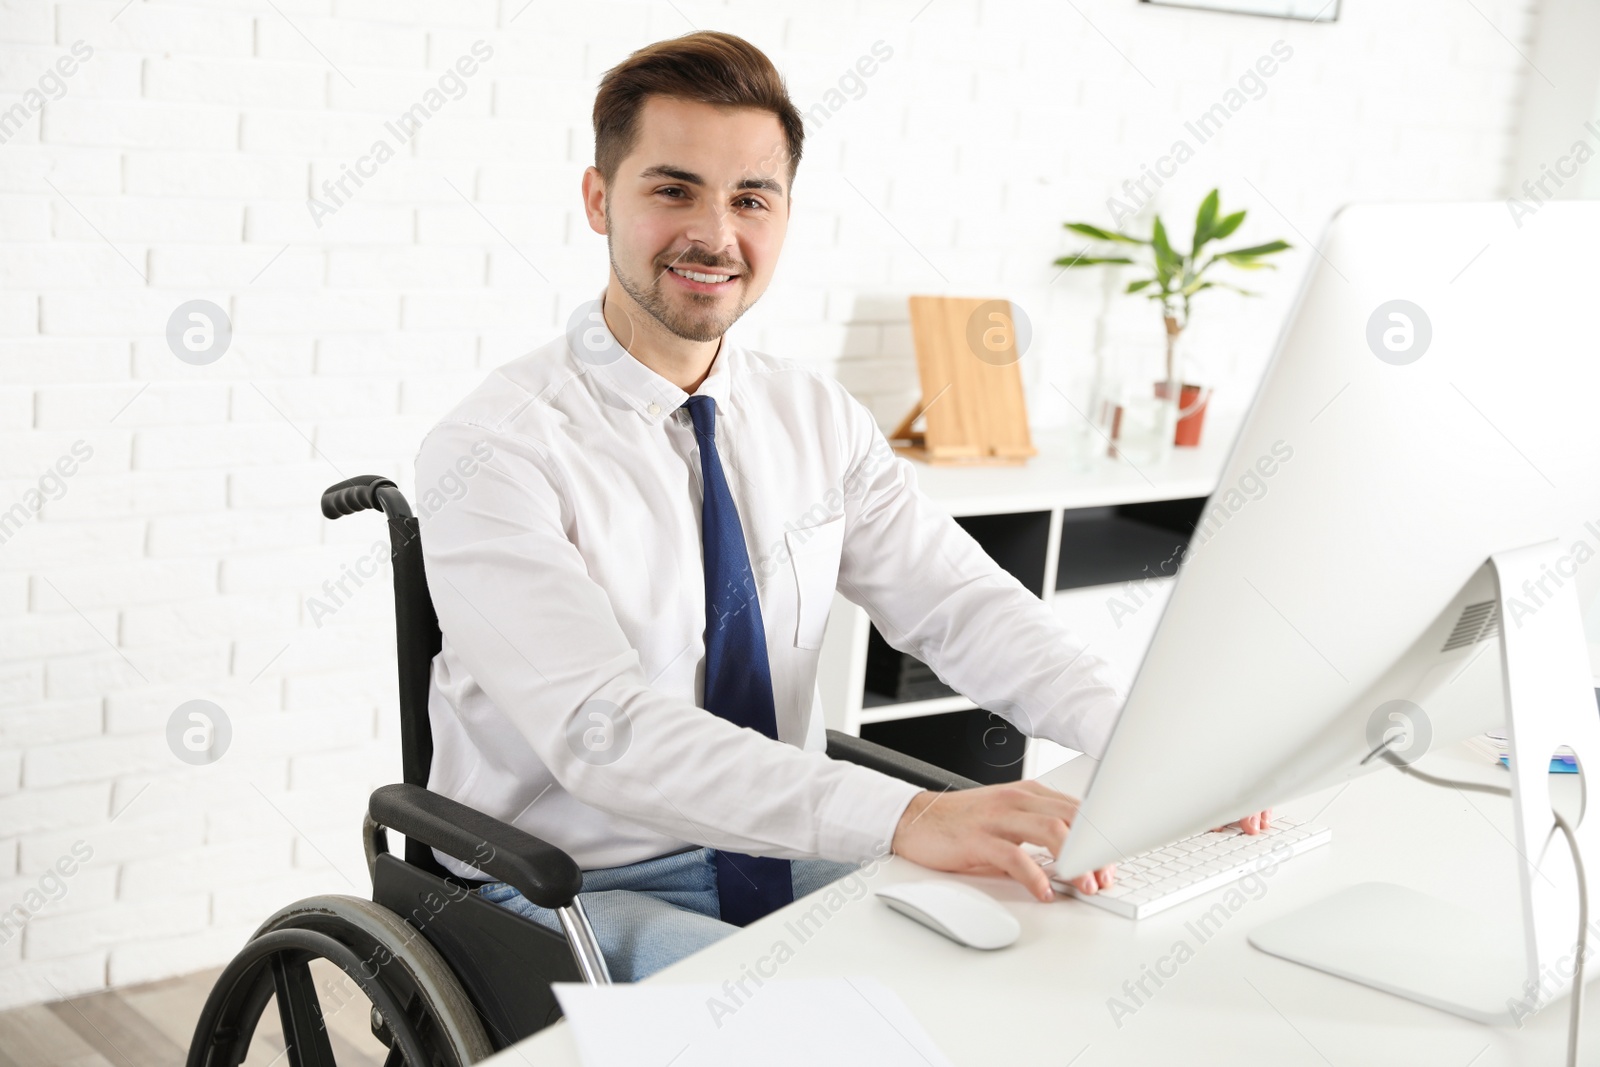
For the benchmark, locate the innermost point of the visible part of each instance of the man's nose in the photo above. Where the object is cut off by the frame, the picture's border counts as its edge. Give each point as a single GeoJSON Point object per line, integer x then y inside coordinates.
{"type": "Point", "coordinates": [712, 229]}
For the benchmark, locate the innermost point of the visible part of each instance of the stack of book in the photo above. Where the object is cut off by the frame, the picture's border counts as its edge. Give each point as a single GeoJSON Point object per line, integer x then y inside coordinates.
{"type": "Point", "coordinates": [1496, 748]}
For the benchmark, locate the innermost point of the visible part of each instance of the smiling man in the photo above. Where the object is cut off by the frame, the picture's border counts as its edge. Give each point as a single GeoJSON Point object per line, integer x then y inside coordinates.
{"type": "Point", "coordinates": [633, 591]}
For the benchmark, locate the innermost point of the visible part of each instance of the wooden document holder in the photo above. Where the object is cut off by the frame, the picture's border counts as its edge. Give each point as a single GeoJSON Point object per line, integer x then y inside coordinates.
{"type": "Point", "coordinates": [972, 400]}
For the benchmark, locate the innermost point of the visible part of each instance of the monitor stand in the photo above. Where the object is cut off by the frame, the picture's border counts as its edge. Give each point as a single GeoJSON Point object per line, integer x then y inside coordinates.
{"type": "Point", "coordinates": [1437, 952]}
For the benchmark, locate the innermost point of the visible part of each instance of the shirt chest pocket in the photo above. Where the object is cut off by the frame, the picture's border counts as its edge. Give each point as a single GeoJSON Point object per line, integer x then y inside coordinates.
{"type": "Point", "coordinates": [814, 556]}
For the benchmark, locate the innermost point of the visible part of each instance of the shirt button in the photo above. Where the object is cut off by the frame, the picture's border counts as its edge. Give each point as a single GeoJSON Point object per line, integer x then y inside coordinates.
{"type": "Point", "coordinates": [654, 409]}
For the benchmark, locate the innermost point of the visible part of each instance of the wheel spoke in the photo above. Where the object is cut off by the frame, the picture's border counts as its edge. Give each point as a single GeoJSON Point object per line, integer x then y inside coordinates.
{"type": "Point", "coordinates": [300, 1012]}
{"type": "Point", "coordinates": [418, 1007]}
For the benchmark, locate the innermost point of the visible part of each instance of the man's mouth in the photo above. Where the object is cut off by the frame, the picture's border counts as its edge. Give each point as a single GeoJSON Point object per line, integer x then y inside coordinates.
{"type": "Point", "coordinates": [706, 281]}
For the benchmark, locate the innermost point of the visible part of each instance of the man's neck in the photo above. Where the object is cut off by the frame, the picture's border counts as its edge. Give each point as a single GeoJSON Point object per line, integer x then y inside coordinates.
{"type": "Point", "coordinates": [680, 361]}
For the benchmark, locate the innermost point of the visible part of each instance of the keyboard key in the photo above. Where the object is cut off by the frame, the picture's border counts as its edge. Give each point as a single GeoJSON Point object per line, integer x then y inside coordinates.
{"type": "Point", "coordinates": [1183, 870]}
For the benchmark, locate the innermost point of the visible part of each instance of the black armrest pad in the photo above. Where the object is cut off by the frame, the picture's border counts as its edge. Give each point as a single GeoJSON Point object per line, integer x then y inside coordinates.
{"type": "Point", "coordinates": [537, 869]}
{"type": "Point", "coordinates": [898, 764]}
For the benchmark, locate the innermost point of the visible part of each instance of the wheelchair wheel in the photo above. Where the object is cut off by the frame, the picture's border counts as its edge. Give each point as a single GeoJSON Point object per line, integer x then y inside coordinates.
{"type": "Point", "coordinates": [418, 1008]}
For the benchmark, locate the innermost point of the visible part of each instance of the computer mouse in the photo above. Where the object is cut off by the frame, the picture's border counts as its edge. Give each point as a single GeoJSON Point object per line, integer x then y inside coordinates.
{"type": "Point", "coordinates": [965, 915]}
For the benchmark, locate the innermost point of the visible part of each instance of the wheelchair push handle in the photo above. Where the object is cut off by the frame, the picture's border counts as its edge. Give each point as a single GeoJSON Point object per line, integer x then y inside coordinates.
{"type": "Point", "coordinates": [366, 491]}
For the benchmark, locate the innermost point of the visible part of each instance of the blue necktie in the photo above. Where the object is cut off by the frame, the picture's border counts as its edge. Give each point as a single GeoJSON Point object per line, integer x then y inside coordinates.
{"type": "Point", "coordinates": [738, 678]}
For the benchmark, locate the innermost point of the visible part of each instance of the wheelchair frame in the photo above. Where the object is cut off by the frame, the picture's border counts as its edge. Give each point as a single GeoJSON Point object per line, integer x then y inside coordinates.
{"type": "Point", "coordinates": [478, 977]}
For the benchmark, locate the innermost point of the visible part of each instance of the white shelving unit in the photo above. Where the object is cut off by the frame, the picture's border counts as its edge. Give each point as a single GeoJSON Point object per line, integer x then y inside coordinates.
{"type": "Point", "coordinates": [1099, 501]}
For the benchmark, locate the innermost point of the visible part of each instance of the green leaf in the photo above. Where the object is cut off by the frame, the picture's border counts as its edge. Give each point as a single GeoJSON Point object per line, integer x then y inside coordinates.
{"type": "Point", "coordinates": [1248, 263]}
{"type": "Point", "coordinates": [1254, 250]}
{"type": "Point", "coordinates": [1168, 262]}
{"type": "Point", "coordinates": [1227, 225]}
{"type": "Point", "coordinates": [1089, 261]}
{"type": "Point", "coordinates": [1158, 240]}
{"type": "Point", "coordinates": [1134, 287]}
{"type": "Point", "coordinates": [1204, 221]}
{"type": "Point", "coordinates": [1102, 235]}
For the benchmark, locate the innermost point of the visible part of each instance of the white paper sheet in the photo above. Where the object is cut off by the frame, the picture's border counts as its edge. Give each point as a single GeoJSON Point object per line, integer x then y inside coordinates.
{"type": "Point", "coordinates": [803, 1023]}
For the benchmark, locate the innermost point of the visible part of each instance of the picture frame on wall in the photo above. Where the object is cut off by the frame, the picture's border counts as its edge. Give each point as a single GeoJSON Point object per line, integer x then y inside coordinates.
{"type": "Point", "coordinates": [1305, 10]}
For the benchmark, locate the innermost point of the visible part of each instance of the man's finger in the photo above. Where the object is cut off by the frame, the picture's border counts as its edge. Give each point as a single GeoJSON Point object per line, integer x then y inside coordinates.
{"type": "Point", "coordinates": [1026, 828]}
{"type": "Point", "coordinates": [1019, 865]}
{"type": "Point", "coordinates": [1033, 785]}
{"type": "Point", "coordinates": [1045, 801]}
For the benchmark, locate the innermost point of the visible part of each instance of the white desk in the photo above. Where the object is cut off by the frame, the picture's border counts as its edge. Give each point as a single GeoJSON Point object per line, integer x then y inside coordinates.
{"type": "Point", "coordinates": [1066, 475]}
{"type": "Point", "coordinates": [1044, 999]}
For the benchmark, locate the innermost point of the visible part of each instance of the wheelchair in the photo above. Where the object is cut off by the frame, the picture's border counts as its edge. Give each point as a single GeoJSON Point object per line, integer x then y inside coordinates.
{"type": "Point", "coordinates": [452, 978]}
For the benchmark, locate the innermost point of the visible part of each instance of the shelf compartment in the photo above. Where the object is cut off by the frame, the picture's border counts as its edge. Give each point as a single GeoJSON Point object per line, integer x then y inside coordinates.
{"type": "Point", "coordinates": [898, 677]}
{"type": "Point", "coordinates": [976, 743]}
{"type": "Point", "coordinates": [1107, 546]}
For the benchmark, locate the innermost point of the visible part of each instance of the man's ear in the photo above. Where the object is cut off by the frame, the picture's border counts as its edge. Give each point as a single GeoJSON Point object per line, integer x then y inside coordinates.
{"type": "Point", "coordinates": [594, 199]}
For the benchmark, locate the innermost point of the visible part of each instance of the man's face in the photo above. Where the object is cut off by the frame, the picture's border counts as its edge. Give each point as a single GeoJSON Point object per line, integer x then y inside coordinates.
{"type": "Point", "coordinates": [705, 191]}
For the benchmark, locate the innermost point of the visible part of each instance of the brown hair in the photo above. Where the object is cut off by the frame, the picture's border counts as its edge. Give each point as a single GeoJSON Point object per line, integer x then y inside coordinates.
{"type": "Point", "coordinates": [706, 66]}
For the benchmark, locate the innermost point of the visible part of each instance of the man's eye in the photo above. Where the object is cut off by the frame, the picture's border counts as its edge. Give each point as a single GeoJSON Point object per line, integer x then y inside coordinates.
{"type": "Point", "coordinates": [750, 201]}
{"type": "Point", "coordinates": [672, 189]}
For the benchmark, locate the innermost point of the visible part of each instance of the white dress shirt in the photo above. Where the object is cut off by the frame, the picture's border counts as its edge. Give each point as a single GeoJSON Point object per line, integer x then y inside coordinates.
{"type": "Point", "coordinates": [560, 516]}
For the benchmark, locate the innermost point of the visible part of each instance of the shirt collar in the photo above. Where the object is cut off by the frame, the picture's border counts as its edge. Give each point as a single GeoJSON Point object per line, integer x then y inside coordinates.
{"type": "Point", "coordinates": [635, 384]}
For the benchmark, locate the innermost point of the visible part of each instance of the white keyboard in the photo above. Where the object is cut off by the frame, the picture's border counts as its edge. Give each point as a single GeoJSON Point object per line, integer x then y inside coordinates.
{"type": "Point", "coordinates": [1154, 881]}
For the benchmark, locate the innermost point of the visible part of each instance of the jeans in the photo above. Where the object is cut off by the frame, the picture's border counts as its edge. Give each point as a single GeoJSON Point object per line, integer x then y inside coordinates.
{"type": "Point", "coordinates": [653, 913]}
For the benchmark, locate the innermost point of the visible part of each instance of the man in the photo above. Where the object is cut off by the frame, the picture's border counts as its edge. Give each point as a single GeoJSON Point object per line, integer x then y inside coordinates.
{"type": "Point", "coordinates": [633, 586]}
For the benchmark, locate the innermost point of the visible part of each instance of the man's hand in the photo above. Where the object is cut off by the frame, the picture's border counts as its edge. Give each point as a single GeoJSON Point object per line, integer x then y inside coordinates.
{"type": "Point", "coordinates": [982, 831]}
{"type": "Point", "coordinates": [1250, 824]}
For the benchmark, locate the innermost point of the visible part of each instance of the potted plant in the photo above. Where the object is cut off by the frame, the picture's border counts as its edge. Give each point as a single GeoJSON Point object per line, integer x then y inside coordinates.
{"type": "Point", "coordinates": [1175, 279]}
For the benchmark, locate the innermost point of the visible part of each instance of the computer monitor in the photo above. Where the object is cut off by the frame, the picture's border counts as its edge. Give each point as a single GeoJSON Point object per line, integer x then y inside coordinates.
{"type": "Point", "coordinates": [1401, 544]}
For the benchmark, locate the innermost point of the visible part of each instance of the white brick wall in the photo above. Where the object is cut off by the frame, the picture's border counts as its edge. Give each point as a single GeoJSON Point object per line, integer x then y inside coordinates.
{"type": "Point", "coordinates": [174, 563]}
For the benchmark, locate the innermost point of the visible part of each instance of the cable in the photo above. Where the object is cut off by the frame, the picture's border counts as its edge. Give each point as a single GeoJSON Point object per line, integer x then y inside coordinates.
{"type": "Point", "coordinates": [1575, 1018]}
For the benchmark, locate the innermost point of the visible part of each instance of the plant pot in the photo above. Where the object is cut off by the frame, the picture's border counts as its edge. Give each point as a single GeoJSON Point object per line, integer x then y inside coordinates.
{"type": "Point", "coordinates": [1192, 401]}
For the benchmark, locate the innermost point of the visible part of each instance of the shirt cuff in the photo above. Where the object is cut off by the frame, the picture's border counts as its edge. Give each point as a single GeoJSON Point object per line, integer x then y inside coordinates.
{"type": "Point", "coordinates": [859, 817]}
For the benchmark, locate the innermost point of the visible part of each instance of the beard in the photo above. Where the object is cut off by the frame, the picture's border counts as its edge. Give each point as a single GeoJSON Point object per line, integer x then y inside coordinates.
{"type": "Point", "coordinates": [700, 321]}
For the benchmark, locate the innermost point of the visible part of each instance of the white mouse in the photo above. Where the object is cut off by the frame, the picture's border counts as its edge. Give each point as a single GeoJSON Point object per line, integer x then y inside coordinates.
{"type": "Point", "coordinates": [965, 915]}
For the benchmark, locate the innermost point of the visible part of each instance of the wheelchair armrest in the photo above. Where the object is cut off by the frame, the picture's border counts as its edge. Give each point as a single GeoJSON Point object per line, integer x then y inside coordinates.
{"type": "Point", "coordinates": [537, 869]}
{"type": "Point", "coordinates": [842, 746]}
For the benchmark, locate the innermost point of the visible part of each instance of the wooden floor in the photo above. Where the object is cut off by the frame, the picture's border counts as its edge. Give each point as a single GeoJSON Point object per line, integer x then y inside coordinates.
{"type": "Point", "coordinates": [151, 1026]}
